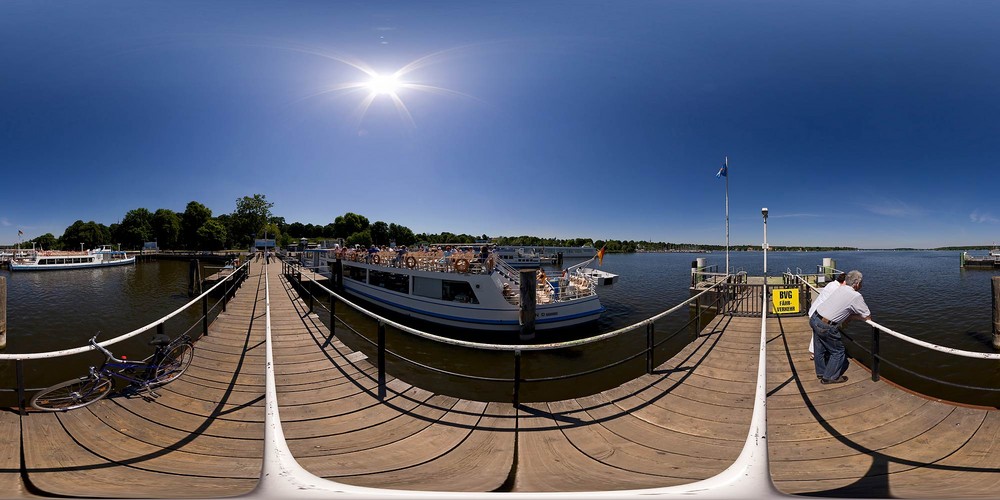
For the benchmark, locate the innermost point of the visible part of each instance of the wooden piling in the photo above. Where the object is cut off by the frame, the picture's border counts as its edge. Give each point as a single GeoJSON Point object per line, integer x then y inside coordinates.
{"type": "Point", "coordinates": [194, 278]}
{"type": "Point", "coordinates": [3, 312]}
{"type": "Point", "coordinates": [996, 312]}
{"type": "Point", "coordinates": [528, 298]}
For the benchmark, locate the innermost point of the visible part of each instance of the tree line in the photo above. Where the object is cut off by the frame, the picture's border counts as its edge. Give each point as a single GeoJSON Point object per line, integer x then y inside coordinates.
{"type": "Point", "coordinates": [193, 229]}
{"type": "Point", "coordinates": [197, 229]}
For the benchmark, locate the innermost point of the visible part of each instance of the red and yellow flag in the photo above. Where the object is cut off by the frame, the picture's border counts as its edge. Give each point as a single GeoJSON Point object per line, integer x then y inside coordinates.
{"type": "Point", "coordinates": [600, 256]}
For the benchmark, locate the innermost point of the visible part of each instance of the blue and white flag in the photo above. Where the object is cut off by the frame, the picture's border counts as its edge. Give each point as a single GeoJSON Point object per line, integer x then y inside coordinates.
{"type": "Point", "coordinates": [722, 172]}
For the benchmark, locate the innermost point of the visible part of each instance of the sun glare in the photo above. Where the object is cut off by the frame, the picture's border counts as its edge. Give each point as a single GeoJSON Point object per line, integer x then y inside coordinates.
{"type": "Point", "coordinates": [383, 84]}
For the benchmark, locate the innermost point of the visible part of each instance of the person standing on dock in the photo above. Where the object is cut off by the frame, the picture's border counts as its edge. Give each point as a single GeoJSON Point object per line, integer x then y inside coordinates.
{"type": "Point", "coordinates": [823, 295]}
{"type": "Point", "coordinates": [844, 304]}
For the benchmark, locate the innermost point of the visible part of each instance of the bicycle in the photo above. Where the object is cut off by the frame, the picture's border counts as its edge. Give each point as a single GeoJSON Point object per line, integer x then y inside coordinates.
{"type": "Point", "coordinates": [170, 360]}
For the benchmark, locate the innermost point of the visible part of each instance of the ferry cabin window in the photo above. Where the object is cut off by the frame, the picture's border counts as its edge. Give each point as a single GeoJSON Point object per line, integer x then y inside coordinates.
{"type": "Point", "coordinates": [390, 281]}
{"type": "Point", "coordinates": [355, 273]}
{"type": "Point", "coordinates": [458, 291]}
{"type": "Point", "coordinates": [452, 291]}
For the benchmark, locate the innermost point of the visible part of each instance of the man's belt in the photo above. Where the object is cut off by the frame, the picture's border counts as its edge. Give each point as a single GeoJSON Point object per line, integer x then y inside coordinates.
{"type": "Point", "coordinates": [831, 323]}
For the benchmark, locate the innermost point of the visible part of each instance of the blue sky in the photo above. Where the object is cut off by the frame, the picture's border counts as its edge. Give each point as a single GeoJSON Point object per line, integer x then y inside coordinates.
{"type": "Point", "coordinates": [869, 124]}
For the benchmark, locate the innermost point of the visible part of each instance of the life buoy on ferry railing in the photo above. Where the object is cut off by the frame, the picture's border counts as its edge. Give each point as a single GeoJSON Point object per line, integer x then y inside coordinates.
{"type": "Point", "coordinates": [462, 265]}
{"type": "Point", "coordinates": [411, 262]}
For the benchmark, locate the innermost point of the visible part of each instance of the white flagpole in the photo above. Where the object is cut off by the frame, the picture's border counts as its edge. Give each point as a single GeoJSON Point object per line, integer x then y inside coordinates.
{"type": "Point", "coordinates": [727, 215]}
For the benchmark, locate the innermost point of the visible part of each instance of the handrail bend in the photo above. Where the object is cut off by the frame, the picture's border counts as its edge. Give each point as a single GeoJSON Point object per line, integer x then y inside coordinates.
{"type": "Point", "coordinates": [748, 477]}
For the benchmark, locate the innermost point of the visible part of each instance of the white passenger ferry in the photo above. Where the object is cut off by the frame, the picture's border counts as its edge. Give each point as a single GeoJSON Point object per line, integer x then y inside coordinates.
{"type": "Point", "coordinates": [466, 290]}
{"type": "Point", "coordinates": [53, 259]}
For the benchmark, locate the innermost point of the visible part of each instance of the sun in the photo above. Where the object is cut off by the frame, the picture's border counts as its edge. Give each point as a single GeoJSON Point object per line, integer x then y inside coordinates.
{"type": "Point", "coordinates": [382, 84]}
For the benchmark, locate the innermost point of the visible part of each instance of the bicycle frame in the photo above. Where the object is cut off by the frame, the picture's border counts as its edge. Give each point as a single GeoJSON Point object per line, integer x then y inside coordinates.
{"type": "Point", "coordinates": [122, 369]}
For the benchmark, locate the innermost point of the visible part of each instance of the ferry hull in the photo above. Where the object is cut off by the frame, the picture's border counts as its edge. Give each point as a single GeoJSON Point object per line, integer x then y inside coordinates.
{"type": "Point", "coordinates": [547, 317]}
{"type": "Point", "coordinates": [58, 267]}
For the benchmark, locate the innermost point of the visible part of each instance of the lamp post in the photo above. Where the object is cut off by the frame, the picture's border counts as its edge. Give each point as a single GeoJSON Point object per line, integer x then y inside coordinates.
{"type": "Point", "coordinates": [763, 212]}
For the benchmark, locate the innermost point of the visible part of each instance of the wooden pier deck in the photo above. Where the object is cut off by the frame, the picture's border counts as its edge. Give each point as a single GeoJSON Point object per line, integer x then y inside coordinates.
{"type": "Point", "coordinates": [685, 422]}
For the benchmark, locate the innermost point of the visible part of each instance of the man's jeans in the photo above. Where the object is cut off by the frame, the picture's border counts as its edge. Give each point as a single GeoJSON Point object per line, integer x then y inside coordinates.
{"type": "Point", "coordinates": [830, 356]}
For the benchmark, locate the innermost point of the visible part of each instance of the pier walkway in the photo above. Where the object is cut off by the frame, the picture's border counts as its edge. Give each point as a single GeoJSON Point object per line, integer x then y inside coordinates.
{"type": "Point", "coordinates": [203, 437]}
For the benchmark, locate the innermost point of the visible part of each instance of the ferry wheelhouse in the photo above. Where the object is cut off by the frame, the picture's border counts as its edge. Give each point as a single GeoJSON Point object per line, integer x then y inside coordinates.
{"type": "Point", "coordinates": [54, 260]}
{"type": "Point", "coordinates": [466, 290]}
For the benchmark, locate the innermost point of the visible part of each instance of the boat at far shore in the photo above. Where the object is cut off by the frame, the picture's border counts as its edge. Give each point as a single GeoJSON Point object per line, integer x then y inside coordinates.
{"type": "Point", "coordinates": [51, 260]}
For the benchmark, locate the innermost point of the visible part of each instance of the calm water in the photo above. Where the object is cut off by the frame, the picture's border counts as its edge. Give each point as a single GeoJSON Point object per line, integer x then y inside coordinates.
{"type": "Point", "coordinates": [922, 294]}
{"type": "Point", "coordinates": [54, 310]}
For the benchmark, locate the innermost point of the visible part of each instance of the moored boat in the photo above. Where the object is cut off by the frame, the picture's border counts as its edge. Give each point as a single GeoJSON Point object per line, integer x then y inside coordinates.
{"type": "Point", "coordinates": [465, 289]}
{"type": "Point", "coordinates": [54, 260]}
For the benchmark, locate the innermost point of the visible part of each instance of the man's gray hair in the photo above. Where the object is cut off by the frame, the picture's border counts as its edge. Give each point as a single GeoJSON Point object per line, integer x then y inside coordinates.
{"type": "Point", "coordinates": [853, 278]}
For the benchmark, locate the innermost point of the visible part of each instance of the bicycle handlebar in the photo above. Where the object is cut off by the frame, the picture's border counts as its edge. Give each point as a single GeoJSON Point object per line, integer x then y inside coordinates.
{"type": "Point", "coordinates": [93, 342]}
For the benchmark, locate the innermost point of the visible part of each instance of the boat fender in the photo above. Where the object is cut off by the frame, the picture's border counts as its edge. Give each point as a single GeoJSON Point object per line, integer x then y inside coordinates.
{"type": "Point", "coordinates": [462, 265]}
{"type": "Point", "coordinates": [411, 262]}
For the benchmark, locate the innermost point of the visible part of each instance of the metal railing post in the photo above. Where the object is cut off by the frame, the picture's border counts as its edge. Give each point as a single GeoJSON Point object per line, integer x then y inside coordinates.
{"type": "Point", "coordinates": [204, 316]}
{"type": "Point", "coordinates": [381, 360]}
{"type": "Point", "coordinates": [311, 300]}
{"type": "Point", "coordinates": [333, 312]}
{"type": "Point", "coordinates": [517, 377]}
{"type": "Point", "coordinates": [650, 362]}
{"type": "Point", "coordinates": [875, 354]}
{"type": "Point", "coordinates": [697, 320]}
{"type": "Point", "coordinates": [225, 294]}
{"type": "Point", "coordinates": [21, 400]}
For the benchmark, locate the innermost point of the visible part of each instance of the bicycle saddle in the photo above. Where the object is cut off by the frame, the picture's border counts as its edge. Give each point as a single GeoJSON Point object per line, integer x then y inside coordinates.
{"type": "Point", "coordinates": [159, 340]}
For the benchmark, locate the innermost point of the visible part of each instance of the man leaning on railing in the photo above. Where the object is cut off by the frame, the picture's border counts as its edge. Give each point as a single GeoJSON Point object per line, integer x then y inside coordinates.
{"type": "Point", "coordinates": [844, 304]}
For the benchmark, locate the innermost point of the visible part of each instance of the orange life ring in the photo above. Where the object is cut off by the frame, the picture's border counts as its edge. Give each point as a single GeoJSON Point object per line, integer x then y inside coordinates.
{"type": "Point", "coordinates": [374, 258]}
{"type": "Point", "coordinates": [462, 265]}
{"type": "Point", "coordinates": [411, 262]}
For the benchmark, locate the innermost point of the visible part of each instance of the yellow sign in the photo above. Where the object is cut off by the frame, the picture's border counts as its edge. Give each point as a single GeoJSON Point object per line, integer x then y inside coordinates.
{"type": "Point", "coordinates": [785, 300]}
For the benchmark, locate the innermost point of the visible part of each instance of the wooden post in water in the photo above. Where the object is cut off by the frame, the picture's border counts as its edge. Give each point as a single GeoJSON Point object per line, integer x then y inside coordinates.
{"type": "Point", "coordinates": [3, 312]}
{"type": "Point", "coordinates": [194, 278]}
{"type": "Point", "coordinates": [528, 281]}
{"type": "Point", "coordinates": [996, 312]}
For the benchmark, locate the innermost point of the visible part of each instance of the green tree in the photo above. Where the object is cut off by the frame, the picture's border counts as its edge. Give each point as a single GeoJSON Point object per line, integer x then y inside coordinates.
{"type": "Point", "coordinates": [402, 235]}
{"type": "Point", "coordinates": [136, 228]}
{"type": "Point", "coordinates": [380, 233]}
{"type": "Point", "coordinates": [252, 213]}
{"type": "Point", "coordinates": [212, 235]}
{"type": "Point", "coordinates": [195, 216]}
{"type": "Point", "coordinates": [363, 238]}
{"type": "Point", "coordinates": [90, 234]}
{"type": "Point", "coordinates": [346, 225]}
{"type": "Point", "coordinates": [166, 228]}
{"type": "Point", "coordinates": [47, 241]}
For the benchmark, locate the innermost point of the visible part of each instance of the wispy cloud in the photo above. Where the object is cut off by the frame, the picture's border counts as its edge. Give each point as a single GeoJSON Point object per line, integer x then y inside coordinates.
{"type": "Point", "coordinates": [980, 217]}
{"type": "Point", "coordinates": [894, 208]}
{"type": "Point", "coordinates": [5, 222]}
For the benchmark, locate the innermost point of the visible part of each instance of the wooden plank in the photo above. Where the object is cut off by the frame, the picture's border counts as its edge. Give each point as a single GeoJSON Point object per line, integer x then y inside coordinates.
{"type": "Point", "coordinates": [10, 455]}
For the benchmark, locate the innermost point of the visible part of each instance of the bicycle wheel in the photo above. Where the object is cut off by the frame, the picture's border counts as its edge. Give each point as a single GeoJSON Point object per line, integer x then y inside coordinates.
{"type": "Point", "coordinates": [73, 394]}
{"type": "Point", "coordinates": [174, 363]}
